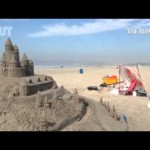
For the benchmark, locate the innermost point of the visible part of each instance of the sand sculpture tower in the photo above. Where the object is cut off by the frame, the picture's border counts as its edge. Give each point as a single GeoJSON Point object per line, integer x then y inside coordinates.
{"type": "Point", "coordinates": [11, 65]}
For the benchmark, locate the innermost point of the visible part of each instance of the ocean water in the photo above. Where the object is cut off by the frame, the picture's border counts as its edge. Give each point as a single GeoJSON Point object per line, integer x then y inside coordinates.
{"type": "Point", "coordinates": [66, 66]}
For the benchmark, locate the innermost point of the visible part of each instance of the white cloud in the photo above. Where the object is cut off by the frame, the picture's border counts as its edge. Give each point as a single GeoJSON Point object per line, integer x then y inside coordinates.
{"type": "Point", "coordinates": [97, 26]}
{"type": "Point", "coordinates": [14, 19]}
{"type": "Point", "coordinates": [144, 23]}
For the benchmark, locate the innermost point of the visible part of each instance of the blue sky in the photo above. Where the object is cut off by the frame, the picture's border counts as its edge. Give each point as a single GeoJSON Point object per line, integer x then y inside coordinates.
{"type": "Point", "coordinates": [79, 41]}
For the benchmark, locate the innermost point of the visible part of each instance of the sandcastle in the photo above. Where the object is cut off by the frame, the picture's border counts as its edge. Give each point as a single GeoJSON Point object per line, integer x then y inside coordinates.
{"type": "Point", "coordinates": [11, 65]}
{"type": "Point", "coordinates": [25, 96]}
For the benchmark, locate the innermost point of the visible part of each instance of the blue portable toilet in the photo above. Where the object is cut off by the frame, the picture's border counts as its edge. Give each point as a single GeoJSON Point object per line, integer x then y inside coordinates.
{"type": "Point", "coordinates": [81, 71]}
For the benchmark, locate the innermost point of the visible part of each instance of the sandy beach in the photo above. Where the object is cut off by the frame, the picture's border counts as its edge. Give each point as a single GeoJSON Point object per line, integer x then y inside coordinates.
{"type": "Point", "coordinates": [135, 108]}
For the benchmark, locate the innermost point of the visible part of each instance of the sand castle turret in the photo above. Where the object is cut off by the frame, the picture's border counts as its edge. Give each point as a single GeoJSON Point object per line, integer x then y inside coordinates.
{"type": "Point", "coordinates": [15, 47]}
{"type": "Point", "coordinates": [8, 45]}
{"type": "Point", "coordinates": [24, 60]}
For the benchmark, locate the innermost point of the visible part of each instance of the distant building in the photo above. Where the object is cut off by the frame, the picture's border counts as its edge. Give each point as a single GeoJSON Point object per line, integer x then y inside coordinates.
{"type": "Point", "coordinates": [11, 65]}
